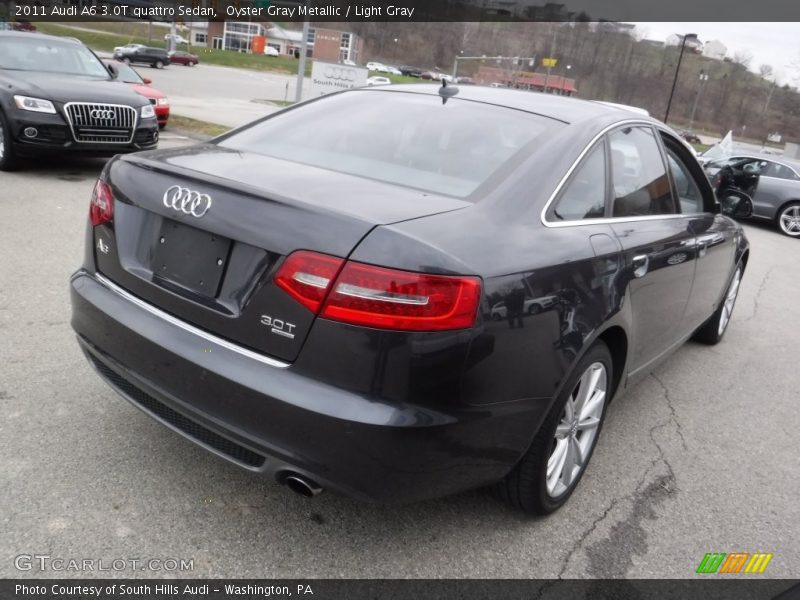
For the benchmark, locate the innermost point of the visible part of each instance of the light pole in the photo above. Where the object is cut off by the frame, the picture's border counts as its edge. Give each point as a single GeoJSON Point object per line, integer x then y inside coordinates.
{"type": "Point", "coordinates": [677, 70]}
{"type": "Point", "coordinates": [703, 79]}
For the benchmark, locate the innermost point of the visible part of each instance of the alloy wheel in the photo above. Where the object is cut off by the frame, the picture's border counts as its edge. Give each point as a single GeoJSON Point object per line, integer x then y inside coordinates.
{"type": "Point", "coordinates": [789, 220]}
{"type": "Point", "coordinates": [730, 300]}
{"type": "Point", "coordinates": [2, 142]}
{"type": "Point", "coordinates": [576, 432]}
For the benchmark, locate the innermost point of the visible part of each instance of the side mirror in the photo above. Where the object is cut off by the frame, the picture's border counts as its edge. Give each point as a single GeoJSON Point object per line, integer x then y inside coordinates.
{"type": "Point", "coordinates": [736, 205]}
{"type": "Point", "coordinates": [147, 81]}
{"type": "Point", "coordinates": [112, 69]}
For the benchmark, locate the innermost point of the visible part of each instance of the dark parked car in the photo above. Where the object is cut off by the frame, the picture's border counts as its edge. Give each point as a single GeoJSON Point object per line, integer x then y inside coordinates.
{"type": "Point", "coordinates": [311, 301]}
{"type": "Point", "coordinates": [183, 58]}
{"type": "Point", "coordinates": [690, 137]}
{"type": "Point", "coordinates": [145, 55]}
{"type": "Point", "coordinates": [56, 96]}
{"type": "Point", "coordinates": [410, 71]}
{"type": "Point", "coordinates": [774, 186]}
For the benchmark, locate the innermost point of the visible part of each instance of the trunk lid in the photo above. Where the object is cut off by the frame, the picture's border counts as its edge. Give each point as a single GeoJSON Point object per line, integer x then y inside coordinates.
{"type": "Point", "coordinates": [214, 268]}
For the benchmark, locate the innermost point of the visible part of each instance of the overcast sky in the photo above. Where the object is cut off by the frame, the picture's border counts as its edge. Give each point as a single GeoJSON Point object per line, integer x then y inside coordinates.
{"type": "Point", "coordinates": [775, 44]}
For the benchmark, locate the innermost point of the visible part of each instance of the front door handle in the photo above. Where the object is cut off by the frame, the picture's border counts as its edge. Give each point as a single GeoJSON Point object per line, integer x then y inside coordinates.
{"type": "Point", "coordinates": [640, 265]}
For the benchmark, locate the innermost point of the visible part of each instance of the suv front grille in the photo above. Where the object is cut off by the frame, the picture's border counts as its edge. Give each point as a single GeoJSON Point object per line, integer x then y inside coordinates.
{"type": "Point", "coordinates": [188, 427]}
{"type": "Point", "coordinates": [101, 123]}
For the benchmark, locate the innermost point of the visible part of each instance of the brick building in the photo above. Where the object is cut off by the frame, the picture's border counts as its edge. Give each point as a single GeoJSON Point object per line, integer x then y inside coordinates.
{"type": "Point", "coordinates": [323, 44]}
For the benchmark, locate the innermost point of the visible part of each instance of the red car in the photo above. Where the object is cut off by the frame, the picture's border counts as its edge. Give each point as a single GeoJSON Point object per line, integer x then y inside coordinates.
{"type": "Point", "coordinates": [142, 87]}
{"type": "Point", "coordinates": [23, 26]}
{"type": "Point", "coordinates": [183, 58]}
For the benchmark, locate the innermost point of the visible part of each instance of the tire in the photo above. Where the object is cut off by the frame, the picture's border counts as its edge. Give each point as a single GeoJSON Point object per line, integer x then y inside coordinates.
{"type": "Point", "coordinates": [8, 158]}
{"type": "Point", "coordinates": [712, 331]}
{"type": "Point", "coordinates": [162, 125]}
{"type": "Point", "coordinates": [158, 64]}
{"type": "Point", "coordinates": [126, 60]}
{"type": "Point", "coordinates": [496, 317]}
{"type": "Point", "coordinates": [788, 220]}
{"type": "Point", "coordinates": [527, 487]}
{"type": "Point", "coordinates": [534, 309]}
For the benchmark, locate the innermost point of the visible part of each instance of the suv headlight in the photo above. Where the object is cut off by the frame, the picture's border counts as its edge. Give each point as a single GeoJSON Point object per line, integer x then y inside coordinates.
{"type": "Point", "coordinates": [148, 111]}
{"type": "Point", "coordinates": [35, 104]}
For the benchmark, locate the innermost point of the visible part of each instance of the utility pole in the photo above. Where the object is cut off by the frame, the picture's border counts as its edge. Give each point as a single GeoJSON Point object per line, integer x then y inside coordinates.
{"type": "Point", "coordinates": [301, 68]}
{"type": "Point", "coordinates": [550, 61]}
{"type": "Point", "coordinates": [703, 79]}
{"type": "Point", "coordinates": [677, 70]}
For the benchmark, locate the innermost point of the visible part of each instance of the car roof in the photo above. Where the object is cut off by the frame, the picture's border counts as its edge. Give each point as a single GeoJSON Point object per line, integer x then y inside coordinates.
{"type": "Point", "coordinates": [778, 158]}
{"type": "Point", "coordinates": [31, 35]}
{"type": "Point", "coordinates": [562, 108]}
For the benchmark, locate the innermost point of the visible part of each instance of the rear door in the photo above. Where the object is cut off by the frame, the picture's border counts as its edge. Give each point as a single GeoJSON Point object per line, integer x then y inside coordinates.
{"type": "Point", "coordinates": [777, 183]}
{"type": "Point", "coordinates": [657, 241]}
{"type": "Point", "coordinates": [715, 241]}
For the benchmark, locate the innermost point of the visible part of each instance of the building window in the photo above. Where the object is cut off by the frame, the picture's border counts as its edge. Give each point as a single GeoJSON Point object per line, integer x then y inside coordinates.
{"type": "Point", "coordinates": [200, 38]}
{"type": "Point", "coordinates": [312, 35]}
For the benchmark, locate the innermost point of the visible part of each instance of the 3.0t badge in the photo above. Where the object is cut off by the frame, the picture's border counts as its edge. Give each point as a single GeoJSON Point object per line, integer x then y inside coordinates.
{"type": "Point", "coordinates": [279, 326]}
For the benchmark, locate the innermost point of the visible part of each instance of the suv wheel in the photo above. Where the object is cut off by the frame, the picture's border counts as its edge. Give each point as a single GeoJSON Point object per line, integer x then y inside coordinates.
{"type": "Point", "coordinates": [8, 159]}
{"type": "Point", "coordinates": [789, 219]}
{"type": "Point", "coordinates": [126, 60]}
{"type": "Point", "coordinates": [550, 470]}
{"type": "Point", "coordinates": [159, 64]}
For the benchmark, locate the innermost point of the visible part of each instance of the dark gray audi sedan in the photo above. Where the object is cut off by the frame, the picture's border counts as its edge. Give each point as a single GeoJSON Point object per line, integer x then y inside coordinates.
{"type": "Point", "coordinates": [310, 297]}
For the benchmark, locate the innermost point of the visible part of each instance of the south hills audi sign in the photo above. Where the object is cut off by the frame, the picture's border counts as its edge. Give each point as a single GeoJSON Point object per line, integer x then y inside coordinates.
{"type": "Point", "coordinates": [332, 77]}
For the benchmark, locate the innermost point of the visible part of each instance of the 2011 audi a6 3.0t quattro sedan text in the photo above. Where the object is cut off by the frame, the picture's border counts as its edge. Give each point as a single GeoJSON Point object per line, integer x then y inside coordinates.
{"type": "Point", "coordinates": [57, 97]}
{"type": "Point", "coordinates": [313, 301]}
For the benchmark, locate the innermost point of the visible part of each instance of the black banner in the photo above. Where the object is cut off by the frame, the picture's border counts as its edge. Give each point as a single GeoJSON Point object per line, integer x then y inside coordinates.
{"type": "Point", "coordinates": [402, 10]}
{"type": "Point", "coordinates": [401, 589]}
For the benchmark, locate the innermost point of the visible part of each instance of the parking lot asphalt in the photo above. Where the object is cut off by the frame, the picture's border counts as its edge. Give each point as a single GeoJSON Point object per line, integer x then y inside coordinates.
{"type": "Point", "coordinates": [221, 95]}
{"type": "Point", "coordinates": [700, 457]}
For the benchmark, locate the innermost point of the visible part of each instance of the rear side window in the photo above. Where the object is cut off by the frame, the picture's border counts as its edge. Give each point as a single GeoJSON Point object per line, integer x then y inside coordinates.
{"type": "Point", "coordinates": [689, 196]}
{"type": "Point", "coordinates": [780, 171]}
{"type": "Point", "coordinates": [402, 138]}
{"type": "Point", "coordinates": [639, 177]}
{"type": "Point", "coordinates": [584, 196]}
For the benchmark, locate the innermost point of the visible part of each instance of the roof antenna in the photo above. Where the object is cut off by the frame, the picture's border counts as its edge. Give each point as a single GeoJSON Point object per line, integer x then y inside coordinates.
{"type": "Point", "coordinates": [447, 91]}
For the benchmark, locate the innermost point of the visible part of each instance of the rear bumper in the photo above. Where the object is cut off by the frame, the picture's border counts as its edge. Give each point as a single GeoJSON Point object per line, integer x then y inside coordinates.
{"type": "Point", "coordinates": [262, 415]}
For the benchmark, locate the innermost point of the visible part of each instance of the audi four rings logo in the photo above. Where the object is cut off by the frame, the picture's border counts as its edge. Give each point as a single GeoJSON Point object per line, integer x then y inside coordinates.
{"type": "Point", "coordinates": [102, 114]}
{"type": "Point", "coordinates": [187, 201]}
{"type": "Point", "coordinates": [340, 73]}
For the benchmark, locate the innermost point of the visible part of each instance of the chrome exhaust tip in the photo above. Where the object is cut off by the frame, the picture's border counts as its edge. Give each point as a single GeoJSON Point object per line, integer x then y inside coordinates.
{"type": "Point", "coordinates": [301, 485]}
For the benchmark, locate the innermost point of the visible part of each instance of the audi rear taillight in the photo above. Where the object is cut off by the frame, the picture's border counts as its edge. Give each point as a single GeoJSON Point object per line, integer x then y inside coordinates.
{"type": "Point", "coordinates": [307, 277]}
{"type": "Point", "coordinates": [361, 294]}
{"type": "Point", "coordinates": [101, 206]}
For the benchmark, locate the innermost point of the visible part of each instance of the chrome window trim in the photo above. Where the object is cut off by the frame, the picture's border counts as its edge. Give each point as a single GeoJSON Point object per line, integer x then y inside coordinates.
{"type": "Point", "coordinates": [606, 220]}
{"type": "Point", "coordinates": [187, 327]}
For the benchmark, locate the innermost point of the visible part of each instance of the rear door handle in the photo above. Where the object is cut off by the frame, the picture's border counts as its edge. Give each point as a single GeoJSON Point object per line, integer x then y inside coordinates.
{"type": "Point", "coordinates": [640, 265]}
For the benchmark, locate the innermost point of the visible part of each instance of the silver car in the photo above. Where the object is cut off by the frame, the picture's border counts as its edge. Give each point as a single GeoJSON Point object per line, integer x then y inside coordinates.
{"type": "Point", "coordinates": [776, 196]}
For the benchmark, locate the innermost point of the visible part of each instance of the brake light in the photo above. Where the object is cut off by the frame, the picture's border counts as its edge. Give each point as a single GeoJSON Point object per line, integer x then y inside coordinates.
{"type": "Point", "coordinates": [361, 294]}
{"type": "Point", "coordinates": [404, 300]}
{"type": "Point", "coordinates": [101, 206]}
{"type": "Point", "coordinates": [307, 277]}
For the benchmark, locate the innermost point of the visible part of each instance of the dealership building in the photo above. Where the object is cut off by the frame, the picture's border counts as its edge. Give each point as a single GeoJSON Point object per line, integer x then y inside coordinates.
{"type": "Point", "coordinates": [323, 44]}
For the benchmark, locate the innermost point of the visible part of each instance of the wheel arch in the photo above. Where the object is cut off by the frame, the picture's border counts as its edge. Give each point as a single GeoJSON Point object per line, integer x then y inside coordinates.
{"type": "Point", "coordinates": [783, 206]}
{"type": "Point", "coordinates": [616, 339]}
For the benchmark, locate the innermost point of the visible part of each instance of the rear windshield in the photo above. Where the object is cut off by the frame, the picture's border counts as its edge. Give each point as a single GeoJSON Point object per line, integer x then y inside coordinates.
{"type": "Point", "coordinates": [401, 138]}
